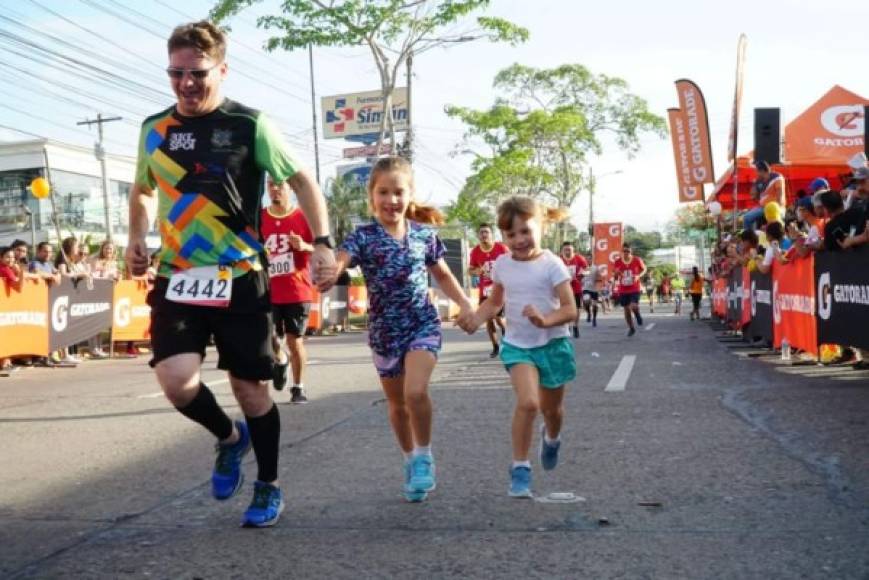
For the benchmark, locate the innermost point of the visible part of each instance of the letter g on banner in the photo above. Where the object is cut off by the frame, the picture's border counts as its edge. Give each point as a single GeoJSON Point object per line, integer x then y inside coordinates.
{"type": "Point", "coordinates": [776, 303]}
{"type": "Point", "coordinates": [122, 312]}
{"type": "Point", "coordinates": [60, 313]}
{"type": "Point", "coordinates": [825, 296]}
{"type": "Point", "coordinates": [615, 230]}
{"type": "Point", "coordinates": [613, 257]}
{"type": "Point", "coordinates": [602, 245]}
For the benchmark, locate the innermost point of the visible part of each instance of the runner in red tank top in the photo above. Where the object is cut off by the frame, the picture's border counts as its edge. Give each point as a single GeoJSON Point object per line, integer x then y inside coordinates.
{"type": "Point", "coordinates": [628, 270]}
{"type": "Point", "coordinates": [288, 239]}
{"type": "Point", "coordinates": [577, 267]}
{"type": "Point", "coordinates": [483, 257]}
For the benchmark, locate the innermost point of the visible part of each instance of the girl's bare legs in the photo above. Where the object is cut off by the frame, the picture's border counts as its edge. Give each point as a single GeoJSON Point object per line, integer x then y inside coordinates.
{"type": "Point", "coordinates": [525, 384]}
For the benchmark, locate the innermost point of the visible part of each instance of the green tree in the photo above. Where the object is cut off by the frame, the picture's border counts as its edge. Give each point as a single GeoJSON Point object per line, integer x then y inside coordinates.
{"type": "Point", "coordinates": [394, 30]}
{"type": "Point", "coordinates": [546, 123]}
{"type": "Point", "coordinates": [346, 200]}
{"type": "Point", "coordinates": [642, 243]}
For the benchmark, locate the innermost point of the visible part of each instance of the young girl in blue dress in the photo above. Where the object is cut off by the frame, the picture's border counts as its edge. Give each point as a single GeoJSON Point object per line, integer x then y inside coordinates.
{"type": "Point", "coordinates": [396, 252]}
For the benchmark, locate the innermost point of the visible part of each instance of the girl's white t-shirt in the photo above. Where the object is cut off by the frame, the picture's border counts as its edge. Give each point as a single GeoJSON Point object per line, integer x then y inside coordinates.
{"type": "Point", "coordinates": [532, 282]}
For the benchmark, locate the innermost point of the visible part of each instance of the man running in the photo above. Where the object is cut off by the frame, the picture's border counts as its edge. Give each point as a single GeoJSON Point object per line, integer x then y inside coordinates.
{"type": "Point", "coordinates": [678, 287]}
{"type": "Point", "coordinates": [592, 288]}
{"type": "Point", "coordinates": [200, 172]}
{"type": "Point", "coordinates": [629, 269]}
{"type": "Point", "coordinates": [650, 292]}
{"type": "Point", "coordinates": [288, 239]}
{"type": "Point", "coordinates": [483, 256]}
{"type": "Point", "coordinates": [577, 267]}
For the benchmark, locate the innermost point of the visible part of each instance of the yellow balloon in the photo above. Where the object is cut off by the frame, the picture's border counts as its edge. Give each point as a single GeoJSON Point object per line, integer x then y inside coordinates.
{"type": "Point", "coordinates": [40, 187]}
{"type": "Point", "coordinates": [772, 212]}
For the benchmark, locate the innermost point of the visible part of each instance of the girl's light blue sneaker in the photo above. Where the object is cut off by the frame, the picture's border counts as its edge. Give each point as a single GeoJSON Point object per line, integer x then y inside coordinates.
{"type": "Point", "coordinates": [422, 473]}
{"type": "Point", "coordinates": [548, 451]}
{"type": "Point", "coordinates": [410, 494]}
{"type": "Point", "coordinates": [520, 482]}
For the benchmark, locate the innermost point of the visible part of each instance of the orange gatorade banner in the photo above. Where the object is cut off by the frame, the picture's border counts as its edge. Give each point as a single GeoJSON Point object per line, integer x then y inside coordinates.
{"type": "Point", "coordinates": [131, 318]}
{"type": "Point", "coordinates": [692, 106]}
{"type": "Point", "coordinates": [719, 297]}
{"type": "Point", "coordinates": [688, 191]}
{"type": "Point", "coordinates": [607, 246]}
{"type": "Point", "coordinates": [793, 304]}
{"type": "Point", "coordinates": [24, 319]}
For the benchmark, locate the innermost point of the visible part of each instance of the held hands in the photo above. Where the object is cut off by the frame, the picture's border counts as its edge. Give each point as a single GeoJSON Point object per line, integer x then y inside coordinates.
{"type": "Point", "coordinates": [324, 269]}
{"type": "Point", "coordinates": [468, 320]}
{"type": "Point", "coordinates": [531, 313]}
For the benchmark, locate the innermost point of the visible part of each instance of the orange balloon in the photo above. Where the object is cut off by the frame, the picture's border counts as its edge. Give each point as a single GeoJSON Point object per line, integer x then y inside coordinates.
{"type": "Point", "coordinates": [40, 188]}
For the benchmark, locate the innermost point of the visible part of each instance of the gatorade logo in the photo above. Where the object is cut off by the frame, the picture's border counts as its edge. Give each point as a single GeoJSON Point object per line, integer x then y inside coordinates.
{"type": "Point", "coordinates": [613, 257]}
{"type": "Point", "coordinates": [602, 245]}
{"type": "Point", "coordinates": [122, 312]}
{"type": "Point", "coordinates": [753, 298]}
{"type": "Point", "coordinates": [825, 296]}
{"type": "Point", "coordinates": [615, 230]}
{"type": "Point", "coordinates": [60, 313]}
{"type": "Point", "coordinates": [776, 303]}
{"type": "Point", "coordinates": [844, 120]}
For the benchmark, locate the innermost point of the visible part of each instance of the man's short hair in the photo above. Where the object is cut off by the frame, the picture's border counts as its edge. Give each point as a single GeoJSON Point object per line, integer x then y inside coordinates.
{"type": "Point", "coordinates": [626, 246]}
{"type": "Point", "coordinates": [567, 243]}
{"type": "Point", "coordinates": [761, 165]}
{"type": "Point", "coordinates": [41, 245]}
{"type": "Point", "coordinates": [202, 36]}
{"type": "Point", "coordinates": [484, 225]}
{"type": "Point", "coordinates": [18, 244]}
{"type": "Point", "coordinates": [832, 200]}
{"type": "Point", "coordinates": [749, 236]}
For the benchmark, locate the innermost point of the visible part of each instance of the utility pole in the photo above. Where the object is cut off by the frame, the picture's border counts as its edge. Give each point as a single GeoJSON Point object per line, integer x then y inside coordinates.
{"type": "Point", "coordinates": [408, 138]}
{"type": "Point", "coordinates": [591, 185]}
{"type": "Point", "coordinates": [314, 114]}
{"type": "Point", "coordinates": [100, 152]}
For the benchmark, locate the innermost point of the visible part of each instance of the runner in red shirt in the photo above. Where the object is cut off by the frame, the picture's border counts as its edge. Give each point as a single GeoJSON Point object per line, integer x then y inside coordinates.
{"type": "Point", "coordinates": [483, 257]}
{"type": "Point", "coordinates": [577, 267]}
{"type": "Point", "coordinates": [288, 239]}
{"type": "Point", "coordinates": [628, 270]}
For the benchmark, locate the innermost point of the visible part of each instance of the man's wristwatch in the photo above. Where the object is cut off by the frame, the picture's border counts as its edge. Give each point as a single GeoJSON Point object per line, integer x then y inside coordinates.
{"type": "Point", "coordinates": [324, 241]}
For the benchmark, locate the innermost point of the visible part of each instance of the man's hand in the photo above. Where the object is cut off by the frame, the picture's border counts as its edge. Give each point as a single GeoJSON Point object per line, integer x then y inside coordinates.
{"type": "Point", "coordinates": [531, 313]}
{"type": "Point", "coordinates": [136, 256]}
{"type": "Point", "coordinates": [324, 269]}
{"type": "Point", "coordinates": [295, 242]}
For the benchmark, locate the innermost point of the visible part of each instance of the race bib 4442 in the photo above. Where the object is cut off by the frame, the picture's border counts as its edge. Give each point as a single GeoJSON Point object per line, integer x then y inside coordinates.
{"type": "Point", "coordinates": [203, 286]}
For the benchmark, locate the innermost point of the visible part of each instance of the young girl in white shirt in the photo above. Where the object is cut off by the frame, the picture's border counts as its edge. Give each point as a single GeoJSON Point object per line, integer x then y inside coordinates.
{"type": "Point", "coordinates": [535, 285]}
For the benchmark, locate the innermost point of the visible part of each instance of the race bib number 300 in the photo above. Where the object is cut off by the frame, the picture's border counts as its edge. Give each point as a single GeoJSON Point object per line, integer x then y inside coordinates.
{"type": "Point", "coordinates": [281, 265]}
{"type": "Point", "coordinates": [204, 286]}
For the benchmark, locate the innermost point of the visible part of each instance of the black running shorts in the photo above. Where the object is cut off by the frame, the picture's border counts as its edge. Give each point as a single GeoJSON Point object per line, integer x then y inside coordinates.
{"type": "Point", "coordinates": [291, 318]}
{"type": "Point", "coordinates": [629, 298]}
{"type": "Point", "coordinates": [242, 332]}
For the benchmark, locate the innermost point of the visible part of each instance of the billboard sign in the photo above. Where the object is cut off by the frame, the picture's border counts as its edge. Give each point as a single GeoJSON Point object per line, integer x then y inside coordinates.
{"type": "Point", "coordinates": [361, 113]}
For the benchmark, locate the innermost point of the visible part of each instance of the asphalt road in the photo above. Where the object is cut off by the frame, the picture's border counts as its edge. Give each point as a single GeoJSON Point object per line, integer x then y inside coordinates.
{"type": "Point", "coordinates": [695, 462]}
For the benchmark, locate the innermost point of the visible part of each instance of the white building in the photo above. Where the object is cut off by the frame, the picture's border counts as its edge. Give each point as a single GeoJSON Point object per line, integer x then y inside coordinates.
{"type": "Point", "coordinates": [683, 257]}
{"type": "Point", "coordinates": [76, 182]}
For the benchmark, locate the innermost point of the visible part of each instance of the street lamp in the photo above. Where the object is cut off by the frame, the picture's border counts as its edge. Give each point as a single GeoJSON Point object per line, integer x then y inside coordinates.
{"type": "Point", "coordinates": [592, 183]}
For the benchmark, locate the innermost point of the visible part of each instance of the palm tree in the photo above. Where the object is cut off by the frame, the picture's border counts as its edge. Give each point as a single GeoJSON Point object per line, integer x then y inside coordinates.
{"type": "Point", "coordinates": [346, 200]}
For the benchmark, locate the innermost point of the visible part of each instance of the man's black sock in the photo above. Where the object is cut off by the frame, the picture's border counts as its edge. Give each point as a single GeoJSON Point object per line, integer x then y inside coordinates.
{"type": "Point", "coordinates": [204, 410]}
{"type": "Point", "coordinates": [265, 435]}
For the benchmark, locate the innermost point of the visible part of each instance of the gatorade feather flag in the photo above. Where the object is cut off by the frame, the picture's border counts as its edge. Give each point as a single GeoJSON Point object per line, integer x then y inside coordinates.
{"type": "Point", "coordinates": [688, 190]}
{"type": "Point", "coordinates": [693, 109]}
{"type": "Point", "coordinates": [607, 246]}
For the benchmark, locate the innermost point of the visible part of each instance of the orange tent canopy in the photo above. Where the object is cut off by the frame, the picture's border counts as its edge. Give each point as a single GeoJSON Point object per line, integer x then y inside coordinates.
{"type": "Point", "coordinates": [817, 143]}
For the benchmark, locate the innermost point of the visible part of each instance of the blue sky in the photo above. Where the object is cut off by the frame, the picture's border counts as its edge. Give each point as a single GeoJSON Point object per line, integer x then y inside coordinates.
{"type": "Point", "coordinates": [796, 51]}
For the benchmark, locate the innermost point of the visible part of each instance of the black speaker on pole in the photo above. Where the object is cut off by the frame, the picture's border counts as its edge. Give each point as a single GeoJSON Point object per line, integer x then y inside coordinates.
{"type": "Point", "coordinates": [767, 135]}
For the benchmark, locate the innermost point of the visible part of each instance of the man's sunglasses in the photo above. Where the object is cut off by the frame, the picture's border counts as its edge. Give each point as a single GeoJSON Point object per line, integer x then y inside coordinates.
{"type": "Point", "coordinates": [196, 73]}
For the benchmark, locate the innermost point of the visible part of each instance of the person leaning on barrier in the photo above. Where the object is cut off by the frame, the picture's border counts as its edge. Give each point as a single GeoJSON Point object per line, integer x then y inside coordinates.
{"type": "Point", "coordinates": [859, 203]}
{"type": "Point", "coordinates": [42, 265]}
{"type": "Point", "coordinates": [22, 252]}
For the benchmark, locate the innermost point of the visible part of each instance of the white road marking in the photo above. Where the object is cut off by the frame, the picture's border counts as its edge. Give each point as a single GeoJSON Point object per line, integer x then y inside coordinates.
{"type": "Point", "coordinates": [622, 374]}
{"type": "Point", "coordinates": [159, 394]}
{"type": "Point", "coordinates": [651, 326]}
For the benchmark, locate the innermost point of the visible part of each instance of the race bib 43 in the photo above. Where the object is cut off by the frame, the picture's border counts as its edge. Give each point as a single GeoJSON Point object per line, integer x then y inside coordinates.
{"type": "Point", "coordinates": [203, 286]}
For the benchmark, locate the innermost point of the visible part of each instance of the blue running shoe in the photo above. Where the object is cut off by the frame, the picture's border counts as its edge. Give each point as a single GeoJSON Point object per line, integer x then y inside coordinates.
{"type": "Point", "coordinates": [265, 508]}
{"type": "Point", "coordinates": [411, 494]}
{"type": "Point", "coordinates": [548, 451]}
{"type": "Point", "coordinates": [520, 482]}
{"type": "Point", "coordinates": [422, 473]}
{"type": "Point", "coordinates": [227, 477]}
